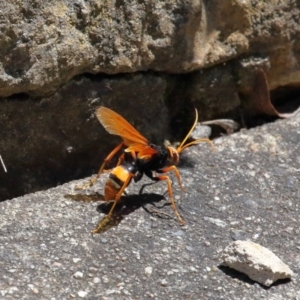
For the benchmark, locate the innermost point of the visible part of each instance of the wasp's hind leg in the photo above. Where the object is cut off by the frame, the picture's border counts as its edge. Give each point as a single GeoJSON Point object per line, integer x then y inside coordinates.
{"type": "Point", "coordinates": [106, 160]}
{"type": "Point", "coordinates": [106, 219]}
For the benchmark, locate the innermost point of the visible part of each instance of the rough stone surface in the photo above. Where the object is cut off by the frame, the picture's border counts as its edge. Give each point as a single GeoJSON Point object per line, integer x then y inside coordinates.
{"type": "Point", "coordinates": [250, 183]}
{"type": "Point", "coordinates": [44, 44]}
{"type": "Point", "coordinates": [256, 261]}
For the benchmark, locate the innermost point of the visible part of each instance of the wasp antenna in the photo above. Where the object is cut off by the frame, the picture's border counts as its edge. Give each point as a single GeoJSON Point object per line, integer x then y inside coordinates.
{"type": "Point", "coordinates": [197, 142]}
{"type": "Point", "coordinates": [180, 148]}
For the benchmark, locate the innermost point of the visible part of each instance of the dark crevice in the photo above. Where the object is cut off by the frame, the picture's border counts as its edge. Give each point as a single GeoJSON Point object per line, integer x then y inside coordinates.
{"type": "Point", "coordinates": [21, 97]}
{"type": "Point", "coordinates": [286, 99]}
{"type": "Point", "coordinates": [181, 115]}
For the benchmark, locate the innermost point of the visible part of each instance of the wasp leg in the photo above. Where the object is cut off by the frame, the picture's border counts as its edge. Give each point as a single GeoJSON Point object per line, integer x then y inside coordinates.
{"type": "Point", "coordinates": [106, 160]}
{"type": "Point", "coordinates": [104, 221]}
{"type": "Point", "coordinates": [165, 177]}
{"type": "Point", "coordinates": [173, 168]}
{"type": "Point", "coordinates": [122, 157]}
{"type": "Point", "coordinates": [120, 160]}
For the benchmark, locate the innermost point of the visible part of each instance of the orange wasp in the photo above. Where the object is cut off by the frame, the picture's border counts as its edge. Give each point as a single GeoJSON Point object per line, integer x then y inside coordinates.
{"type": "Point", "coordinates": [139, 157]}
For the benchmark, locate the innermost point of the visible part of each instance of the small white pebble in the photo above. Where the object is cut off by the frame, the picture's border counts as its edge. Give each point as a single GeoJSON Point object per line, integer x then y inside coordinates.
{"type": "Point", "coordinates": [126, 292]}
{"type": "Point", "coordinates": [78, 275]}
{"type": "Point", "coordinates": [96, 280]}
{"type": "Point", "coordinates": [76, 260]}
{"type": "Point", "coordinates": [33, 288]}
{"type": "Point", "coordinates": [82, 294]}
{"type": "Point", "coordinates": [217, 222]}
{"type": "Point", "coordinates": [193, 269]}
{"type": "Point", "coordinates": [13, 289]}
{"type": "Point", "coordinates": [148, 271]}
{"type": "Point", "coordinates": [164, 282]}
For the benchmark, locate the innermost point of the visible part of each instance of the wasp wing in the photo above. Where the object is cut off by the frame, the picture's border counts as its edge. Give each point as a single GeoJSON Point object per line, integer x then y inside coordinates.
{"type": "Point", "coordinates": [117, 125]}
{"type": "Point", "coordinates": [144, 152]}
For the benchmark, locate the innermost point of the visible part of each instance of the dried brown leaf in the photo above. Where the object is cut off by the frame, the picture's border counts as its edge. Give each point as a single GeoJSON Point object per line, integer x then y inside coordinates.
{"type": "Point", "coordinates": [260, 101]}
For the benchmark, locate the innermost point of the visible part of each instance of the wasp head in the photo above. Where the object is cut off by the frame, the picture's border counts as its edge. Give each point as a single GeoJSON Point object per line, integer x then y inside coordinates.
{"type": "Point", "coordinates": [173, 157]}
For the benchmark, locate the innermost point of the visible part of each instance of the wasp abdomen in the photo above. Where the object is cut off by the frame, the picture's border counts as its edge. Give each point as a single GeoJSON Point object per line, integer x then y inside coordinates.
{"type": "Point", "coordinates": [116, 181]}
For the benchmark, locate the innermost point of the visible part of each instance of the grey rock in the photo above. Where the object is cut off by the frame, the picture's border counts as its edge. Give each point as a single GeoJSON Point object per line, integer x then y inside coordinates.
{"type": "Point", "coordinates": [258, 262]}
{"type": "Point", "coordinates": [45, 44]}
{"type": "Point", "coordinates": [42, 235]}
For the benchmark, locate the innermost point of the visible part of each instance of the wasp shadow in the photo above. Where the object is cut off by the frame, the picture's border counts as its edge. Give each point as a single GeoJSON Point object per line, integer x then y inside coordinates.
{"type": "Point", "coordinates": [243, 277]}
{"type": "Point", "coordinates": [125, 206]}
{"type": "Point", "coordinates": [95, 197]}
